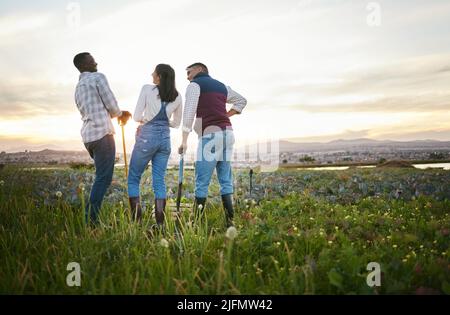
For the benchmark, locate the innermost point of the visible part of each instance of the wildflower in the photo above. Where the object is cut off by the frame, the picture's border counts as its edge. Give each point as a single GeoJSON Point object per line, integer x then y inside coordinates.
{"type": "Point", "coordinates": [394, 246]}
{"type": "Point", "coordinates": [405, 260]}
{"type": "Point", "coordinates": [321, 233]}
{"type": "Point", "coordinates": [295, 228]}
{"type": "Point", "coordinates": [311, 218]}
{"type": "Point", "coordinates": [231, 233]}
{"type": "Point", "coordinates": [2, 182]}
{"type": "Point", "coordinates": [421, 246]}
{"type": "Point", "coordinates": [336, 228]}
{"type": "Point", "coordinates": [330, 242]}
{"type": "Point", "coordinates": [82, 186]}
{"type": "Point", "coordinates": [200, 206]}
{"type": "Point", "coordinates": [164, 243]}
{"type": "Point", "coordinates": [58, 194]}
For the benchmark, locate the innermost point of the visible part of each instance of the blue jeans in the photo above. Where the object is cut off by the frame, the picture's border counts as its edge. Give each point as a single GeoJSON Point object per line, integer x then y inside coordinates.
{"type": "Point", "coordinates": [214, 152]}
{"type": "Point", "coordinates": [103, 152]}
{"type": "Point", "coordinates": [152, 144]}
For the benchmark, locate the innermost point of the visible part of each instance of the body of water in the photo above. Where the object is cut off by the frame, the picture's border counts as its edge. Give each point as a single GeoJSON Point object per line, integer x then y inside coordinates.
{"type": "Point", "coordinates": [445, 166]}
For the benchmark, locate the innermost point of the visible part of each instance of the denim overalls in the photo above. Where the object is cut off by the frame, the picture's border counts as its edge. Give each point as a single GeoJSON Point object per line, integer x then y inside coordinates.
{"type": "Point", "coordinates": [152, 144]}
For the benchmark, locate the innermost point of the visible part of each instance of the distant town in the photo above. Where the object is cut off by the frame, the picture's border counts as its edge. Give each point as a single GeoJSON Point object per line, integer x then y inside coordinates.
{"type": "Point", "coordinates": [363, 151]}
{"type": "Point", "coordinates": [338, 152]}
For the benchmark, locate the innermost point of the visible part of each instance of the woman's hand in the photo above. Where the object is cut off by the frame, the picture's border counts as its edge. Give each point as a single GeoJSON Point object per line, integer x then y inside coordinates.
{"type": "Point", "coordinates": [182, 149]}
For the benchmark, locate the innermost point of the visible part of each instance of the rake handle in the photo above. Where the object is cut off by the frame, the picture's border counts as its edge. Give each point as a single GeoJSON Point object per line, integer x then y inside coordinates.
{"type": "Point", "coordinates": [124, 151]}
{"type": "Point", "coordinates": [180, 182]}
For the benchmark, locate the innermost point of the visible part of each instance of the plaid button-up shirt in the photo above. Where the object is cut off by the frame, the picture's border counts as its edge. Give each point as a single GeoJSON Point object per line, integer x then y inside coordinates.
{"type": "Point", "coordinates": [97, 105]}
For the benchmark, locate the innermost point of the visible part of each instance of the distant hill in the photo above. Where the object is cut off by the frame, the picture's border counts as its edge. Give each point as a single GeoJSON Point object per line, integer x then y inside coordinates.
{"type": "Point", "coordinates": [360, 144]}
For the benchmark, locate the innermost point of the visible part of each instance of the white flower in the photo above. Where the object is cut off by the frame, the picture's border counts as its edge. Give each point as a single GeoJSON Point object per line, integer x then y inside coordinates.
{"type": "Point", "coordinates": [164, 243]}
{"type": "Point", "coordinates": [231, 233]}
{"type": "Point", "coordinates": [58, 194]}
{"type": "Point", "coordinates": [81, 186]}
{"type": "Point", "coordinates": [2, 182]}
{"type": "Point", "coordinates": [200, 206]}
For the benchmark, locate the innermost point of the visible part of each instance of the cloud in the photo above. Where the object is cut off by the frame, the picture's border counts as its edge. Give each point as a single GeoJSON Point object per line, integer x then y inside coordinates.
{"type": "Point", "coordinates": [19, 100]}
{"type": "Point", "coordinates": [421, 103]}
{"type": "Point", "coordinates": [414, 84]}
{"type": "Point", "coordinates": [18, 24]}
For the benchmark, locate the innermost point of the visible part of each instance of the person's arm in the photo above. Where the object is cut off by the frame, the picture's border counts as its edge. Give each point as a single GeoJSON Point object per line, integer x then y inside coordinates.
{"type": "Point", "coordinates": [238, 101]}
{"type": "Point", "coordinates": [107, 96]}
{"type": "Point", "coordinates": [176, 121]}
{"type": "Point", "coordinates": [190, 111]}
{"type": "Point", "coordinates": [140, 106]}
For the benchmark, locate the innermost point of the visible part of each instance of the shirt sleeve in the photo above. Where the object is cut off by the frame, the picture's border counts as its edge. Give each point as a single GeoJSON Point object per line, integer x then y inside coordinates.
{"type": "Point", "coordinates": [190, 107]}
{"type": "Point", "coordinates": [140, 106]}
{"type": "Point", "coordinates": [176, 121]}
{"type": "Point", "coordinates": [238, 101]}
{"type": "Point", "coordinates": [107, 96]}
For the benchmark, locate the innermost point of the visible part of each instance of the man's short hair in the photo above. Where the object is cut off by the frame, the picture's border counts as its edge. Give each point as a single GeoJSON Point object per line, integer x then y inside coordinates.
{"type": "Point", "coordinates": [79, 59]}
{"type": "Point", "coordinates": [199, 64]}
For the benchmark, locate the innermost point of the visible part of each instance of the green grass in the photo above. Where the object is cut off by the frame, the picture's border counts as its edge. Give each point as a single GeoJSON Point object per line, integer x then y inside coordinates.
{"type": "Point", "coordinates": [295, 243]}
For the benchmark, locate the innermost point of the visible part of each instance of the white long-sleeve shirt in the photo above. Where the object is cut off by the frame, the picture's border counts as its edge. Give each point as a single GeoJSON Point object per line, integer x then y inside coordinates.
{"type": "Point", "coordinates": [190, 107]}
{"type": "Point", "coordinates": [149, 105]}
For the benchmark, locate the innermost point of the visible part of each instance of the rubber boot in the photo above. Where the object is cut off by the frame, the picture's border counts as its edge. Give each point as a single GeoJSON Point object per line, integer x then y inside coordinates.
{"type": "Point", "coordinates": [227, 201]}
{"type": "Point", "coordinates": [160, 206]}
{"type": "Point", "coordinates": [136, 209]}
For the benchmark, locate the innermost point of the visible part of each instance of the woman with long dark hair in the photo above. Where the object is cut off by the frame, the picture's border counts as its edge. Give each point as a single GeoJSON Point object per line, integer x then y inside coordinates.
{"type": "Point", "coordinates": [156, 105]}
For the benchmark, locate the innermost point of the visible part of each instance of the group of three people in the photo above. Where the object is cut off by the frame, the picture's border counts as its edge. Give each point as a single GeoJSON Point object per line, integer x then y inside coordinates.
{"type": "Point", "coordinates": [159, 107]}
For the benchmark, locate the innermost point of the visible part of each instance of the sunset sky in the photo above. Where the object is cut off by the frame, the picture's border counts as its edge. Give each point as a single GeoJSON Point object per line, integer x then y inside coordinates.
{"type": "Point", "coordinates": [313, 70]}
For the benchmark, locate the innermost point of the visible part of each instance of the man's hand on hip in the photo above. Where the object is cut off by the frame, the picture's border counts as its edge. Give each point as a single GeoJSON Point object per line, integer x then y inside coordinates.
{"type": "Point", "coordinates": [232, 112]}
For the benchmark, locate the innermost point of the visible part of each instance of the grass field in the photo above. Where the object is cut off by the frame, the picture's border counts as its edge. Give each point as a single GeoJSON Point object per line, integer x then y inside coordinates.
{"type": "Point", "coordinates": [300, 232]}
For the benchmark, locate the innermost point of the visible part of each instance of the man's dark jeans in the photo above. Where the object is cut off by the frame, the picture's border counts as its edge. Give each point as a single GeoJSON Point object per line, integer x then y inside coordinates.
{"type": "Point", "coordinates": [103, 152]}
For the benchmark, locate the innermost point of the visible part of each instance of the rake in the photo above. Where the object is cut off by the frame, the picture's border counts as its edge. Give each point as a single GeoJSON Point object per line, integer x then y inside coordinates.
{"type": "Point", "coordinates": [124, 148]}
